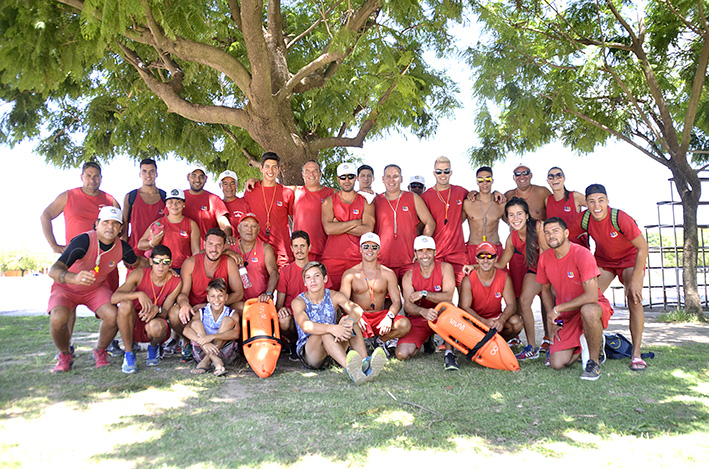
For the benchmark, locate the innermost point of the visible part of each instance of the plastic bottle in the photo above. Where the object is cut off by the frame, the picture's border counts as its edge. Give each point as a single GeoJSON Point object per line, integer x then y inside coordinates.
{"type": "Point", "coordinates": [245, 277]}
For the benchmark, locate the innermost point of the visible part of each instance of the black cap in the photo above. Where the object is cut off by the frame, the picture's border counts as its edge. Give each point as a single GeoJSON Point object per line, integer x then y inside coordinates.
{"type": "Point", "coordinates": [596, 189]}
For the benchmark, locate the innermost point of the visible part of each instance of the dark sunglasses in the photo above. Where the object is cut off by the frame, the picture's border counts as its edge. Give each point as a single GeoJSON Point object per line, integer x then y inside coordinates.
{"type": "Point", "coordinates": [526, 172]}
{"type": "Point", "coordinates": [346, 176]}
{"type": "Point", "coordinates": [485, 179]}
{"type": "Point", "coordinates": [162, 261]}
{"type": "Point", "coordinates": [373, 247]}
{"type": "Point", "coordinates": [442, 171]}
{"type": "Point", "coordinates": [416, 185]}
{"type": "Point", "coordinates": [486, 256]}
{"type": "Point", "coordinates": [551, 176]}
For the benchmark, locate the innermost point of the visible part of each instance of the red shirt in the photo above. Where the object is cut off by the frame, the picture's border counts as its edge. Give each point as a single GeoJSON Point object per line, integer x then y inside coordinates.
{"type": "Point", "coordinates": [306, 210]}
{"type": "Point", "coordinates": [448, 235]}
{"type": "Point", "coordinates": [291, 284]}
{"type": "Point", "coordinates": [272, 206]}
{"type": "Point", "coordinates": [487, 301]}
{"type": "Point", "coordinates": [256, 268]}
{"type": "Point", "coordinates": [204, 208]}
{"type": "Point", "coordinates": [177, 237]}
{"type": "Point", "coordinates": [566, 210]}
{"type": "Point", "coordinates": [434, 283]}
{"type": "Point", "coordinates": [345, 246]}
{"type": "Point", "coordinates": [81, 211]}
{"type": "Point", "coordinates": [396, 226]}
{"type": "Point", "coordinates": [198, 292]}
{"type": "Point", "coordinates": [108, 262]}
{"type": "Point", "coordinates": [236, 208]}
{"type": "Point", "coordinates": [612, 248]}
{"type": "Point", "coordinates": [157, 294]}
{"type": "Point", "coordinates": [141, 216]}
{"type": "Point", "coordinates": [567, 274]}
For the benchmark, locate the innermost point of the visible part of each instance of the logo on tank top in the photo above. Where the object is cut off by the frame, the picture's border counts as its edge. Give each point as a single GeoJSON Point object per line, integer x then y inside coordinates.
{"type": "Point", "coordinates": [203, 208]}
{"type": "Point", "coordinates": [567, 209]}
{"type": "Point", "coordinates": [355, 211]}
{"type": "Point", "coordinates": [405, 208]}
{"type": "Point", "coordinates": [498, 295]}
{"type": "Point", "coordinates": [254, 259]}
{"type": "Point", "coordinates": [111, 264]}
{"type": "Point", "coordinates": [279, 203]}
{"type": "Point", "coordinates": [238, 213]}
{"type": "Point", "coordinates": [183, 233]}
{"type": "Point", "coordinates": [570, 274]}
{"type": "Point", "coordinates": [459, 202]}
{"type": "Point", "coordinates": [614, 234]}
{"type": "Point", "coordinates": [161, 211]}
{"type": "Point", "coordinates": [437, 288]}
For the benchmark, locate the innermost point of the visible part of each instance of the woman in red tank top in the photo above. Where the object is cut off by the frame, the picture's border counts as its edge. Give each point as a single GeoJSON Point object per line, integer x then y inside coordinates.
{"type": "Point", "coordinates": [564, 203]}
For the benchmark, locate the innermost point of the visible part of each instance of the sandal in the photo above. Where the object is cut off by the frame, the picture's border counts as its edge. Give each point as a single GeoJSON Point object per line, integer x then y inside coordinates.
{"type": "Point", "coordinates": [199, 370]}
{"type": "Point", "coordinates": [220, 371]}
{"type": "Point", "coordinates": [637, 364]}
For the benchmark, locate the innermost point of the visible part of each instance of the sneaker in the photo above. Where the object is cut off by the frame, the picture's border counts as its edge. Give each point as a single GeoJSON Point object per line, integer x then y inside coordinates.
{"type": "Point", "coordinates": [528, 353]}
{"type": "Point", "coordinates": [546, 343]}
{"type": "Point", "coordinates": [129, 365]}
{"type": "Point", "coordinates": [71, 352]}
{"type": "Point", "coordinates": [429, 347]}
{"type": "Point", "coordinates": [172, 347]}
{"type": "Point", "coordinates": [547, 362]}
{"type": "Point", "coordinates": [354, 367]}
{"type": "Point", "coordinates": [592, 372]}
{"type": "Point", "coordinates": [450, 362]}
{"type": "Point", "coordinates": [376, 363]}
{"type": "Point", "coordinates": [602, 353]}
{"type": "Point", "coordinates": [153, 358]}
{"type": "Point", "coordinates": [293, 353]}
{"type": "Point", "coordinates": [101, 357]}
{"type": "Point", "coordinates": [390, 346]}
{"type": "Point", "coordinates": [187, 353]}
{"type": "Point", "coordinates": [114, 349]}
{"type": "Point", "coordinates": [515, 342]}
{"type": "Point", "coordinates": [64, 363]}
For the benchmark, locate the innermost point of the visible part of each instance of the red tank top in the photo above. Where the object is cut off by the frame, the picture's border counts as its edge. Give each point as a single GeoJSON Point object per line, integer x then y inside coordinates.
{"type": "Point", "coordinates": [566, 210]}
{"type": "Point", "coordinates": [397, 233]}
{"type": "Point", "coordinates": [487, 301]}
{"type": "Point", "coordinates": [198, 292]}
{"type": "Point", "coordinates": [108, 262]}
{"type": "Point", "coordinates": [236, 208]}
{"type": "Point", "coordinates": [177, 237]}
{"type": "Point", "coordinates": [521, 248]}
{"type": "Point", "coordinates": [434, 283]}
{"type": "Point", "coordinates": [204, 208]}
{"type": "Point", "coordinates": [141, 216]}
{"type": "Point", "coordinates": [81, 211]}
{"type": "Point", "coordinates": [449, 223]}
{"type": "Point", "coordinates": [345, 246]}
{"type": "Point", "coordinates": [256, 267]}
{"type": "Point", "coordinates": [148, 287]}
{"type": "Point", "coordinates": [306, 208]}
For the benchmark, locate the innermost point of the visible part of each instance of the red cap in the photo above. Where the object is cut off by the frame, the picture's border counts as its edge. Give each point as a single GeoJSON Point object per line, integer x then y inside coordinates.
{"type": "Point", "coordinates": [486, 247]}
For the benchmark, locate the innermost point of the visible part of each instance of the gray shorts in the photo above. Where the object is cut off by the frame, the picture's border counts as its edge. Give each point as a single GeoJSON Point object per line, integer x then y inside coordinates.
{"type": "Point", "coordinates": [227, 352]}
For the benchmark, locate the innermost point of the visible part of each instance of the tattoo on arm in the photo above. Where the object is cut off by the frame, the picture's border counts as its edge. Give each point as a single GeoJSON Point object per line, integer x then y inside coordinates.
{"type": "Point", "coordinates": [62, 277]}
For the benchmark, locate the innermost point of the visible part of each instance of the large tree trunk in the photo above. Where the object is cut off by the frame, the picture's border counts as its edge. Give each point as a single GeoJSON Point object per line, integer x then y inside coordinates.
{"type": "Point", "coordinates": [692, 301]}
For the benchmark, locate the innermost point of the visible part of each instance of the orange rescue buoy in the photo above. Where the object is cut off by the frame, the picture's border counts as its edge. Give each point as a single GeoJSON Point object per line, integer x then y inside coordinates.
{"type": "Point", "coordinates": [473, 338]}
{"type": "Point", "coordinates": [261, 335]}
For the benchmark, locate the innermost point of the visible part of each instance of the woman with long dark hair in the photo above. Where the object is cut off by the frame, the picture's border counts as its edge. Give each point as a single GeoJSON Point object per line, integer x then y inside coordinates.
{"type": "Point", "coordinates": [564, 203]}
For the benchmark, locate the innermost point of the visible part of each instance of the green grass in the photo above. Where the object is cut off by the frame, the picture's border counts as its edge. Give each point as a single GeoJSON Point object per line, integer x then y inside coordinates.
{"type": "Point", "coordinates": [168, 417]}
{"type": "Point", "coordinates": [680, 316]}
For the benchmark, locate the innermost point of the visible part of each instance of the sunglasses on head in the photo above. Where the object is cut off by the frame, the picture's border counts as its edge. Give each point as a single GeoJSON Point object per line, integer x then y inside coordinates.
{"type": "Point", "coordinates": [373, 247]}
{"type": "Point", "coordinates": [526, 172]}
{"type": "Point", "coordinates": [551, 176]}
{"type": "Point", "coordinates": [485, 179]}
{"type": "Point", "coordinates": [442, 171]}
{"type": "Point", "coordinates": [162, 261]}
{"type": "Point", "coordinates": [346, 176]}
{"type": "Point", "coordinates": [486, 256]}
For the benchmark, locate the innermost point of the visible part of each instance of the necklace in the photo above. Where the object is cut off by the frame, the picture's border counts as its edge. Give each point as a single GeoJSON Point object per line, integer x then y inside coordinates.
{"type": "Point", "coordinates": [269, 208]}
{"type": "Point", "coordinates": [447, 202]}
{"type": "Point", "coordinates": [485, 218]}
{"type": "Point", "coordinates": [370, 285]}
{"type": "Point", "coordinates": [396, 223]}
{"type": "Point", "coordinates": [528, 195]}
{"type": "Point", "coordinates": [152, 287]}
{"type": "Point", "coordinates": [100, 253]}
{"type": "Point", "coordinates": [245, 255]}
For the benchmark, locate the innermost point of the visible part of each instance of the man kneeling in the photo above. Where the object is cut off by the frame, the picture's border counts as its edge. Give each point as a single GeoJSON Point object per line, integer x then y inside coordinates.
{"type": "Point", "coordinates": [321, 336]}
{"type": "Point", "coordinates": [213, 331]}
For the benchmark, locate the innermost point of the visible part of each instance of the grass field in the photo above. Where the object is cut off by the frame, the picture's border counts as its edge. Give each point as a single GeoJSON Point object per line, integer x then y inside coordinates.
{"type": "Point", "coordinates": [415, 414]}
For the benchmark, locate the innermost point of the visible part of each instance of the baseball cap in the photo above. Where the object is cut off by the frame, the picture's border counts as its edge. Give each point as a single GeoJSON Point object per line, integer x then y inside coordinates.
{"type": "Point", "coordinates": [227, 174]}
{"type": "Point", "coordinates": [485, 247]}
{"type": "Point", "coordinates": [195, 167]}
{"type": "Point", "coordinates": [596, 189]}
{"type": "Point", "coordinates": [370, 238]}
{"type": "Point", "coordinates": [175, 194]}
{"type": "Point", "coordinates": [248, 215]}
{"type": "Point", "coordinates": [110, 213]}
{"type": "Point", "coordinates": [424, 242]}
{"type": "Point", "coordinates": [418, 179]}
{"type": "Point", "coordinates": [346, 168]}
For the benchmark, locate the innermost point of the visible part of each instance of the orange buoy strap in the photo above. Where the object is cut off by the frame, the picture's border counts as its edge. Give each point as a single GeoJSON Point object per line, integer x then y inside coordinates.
{"type": "Point", "coordinates": [259, 337]}
{"type": "Point", "coordinates": [490, 334]}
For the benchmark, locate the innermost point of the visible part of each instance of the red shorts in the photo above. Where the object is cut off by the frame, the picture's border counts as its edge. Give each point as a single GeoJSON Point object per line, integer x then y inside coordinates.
{"type": "Point", "coordinates": [573, 328]}
{"type": "Point", "coordinates": [372, 319]}
{"type": "Point", "coordinates": [457, 260]}
{"type": "Point", "coordinates": [92, 299]}
{"type": "Point", "coordinates": [419, 333]}
{"type": "Point", "coordinates": [139, 334]}
{"type": "Point", "coordinates": [617, 270]}
{"type": "Point", "coordinates": [335, 269]}
{"type": "Point", "coordinates": [474, 247]}
{"type": "Point", "coordinates": [517, 269]}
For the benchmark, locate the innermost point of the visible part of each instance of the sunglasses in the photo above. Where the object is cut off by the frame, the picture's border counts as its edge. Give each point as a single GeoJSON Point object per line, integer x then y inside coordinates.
{"type": "Point", "coordinates": [552, 176]}
{"type": "Point", "coordinates": [442, 171]}
{"type": "Point", "coordinates": [486, 256]}
{"type": "Point", "coordinates": [416, 185]}
{"type": "Point", "coordinates": [346, 176]}
{"type": "Point", "coordinates": [162, 261]}
{"type": "Point", "coordinates": [485, 179]}
{"type": "Point", "coordinates": [526, 172]}
{"type": "Point", "coordinates": [373, 247]}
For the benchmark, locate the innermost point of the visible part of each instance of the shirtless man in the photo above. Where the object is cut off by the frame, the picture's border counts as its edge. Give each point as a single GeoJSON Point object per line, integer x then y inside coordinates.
{"type": "Point", "coordinates": [196, 273]}
{"type": "Point", "coordinates": [484, 215]}
{"type": "Point", "coordinates": [308, 204]}
{"type": "Point", "coordinates": [236, 206]}
{"type": "Point", "coordinates": [142, 206]}
{"type": "Point", "coordinates": [365, 177]}
{"type": "Point", "coordinates": [534, 195]}
{"type": "Point", "coordinates": [346, 216]}
{"type": "Point", "coordinates": [445, 202]}
{"type": "Point", "coordinates": [368, 284]}
{"type": "Point", "coordinates": [205, 208]}
{"type": "Point", "coordinates": [397, 215]}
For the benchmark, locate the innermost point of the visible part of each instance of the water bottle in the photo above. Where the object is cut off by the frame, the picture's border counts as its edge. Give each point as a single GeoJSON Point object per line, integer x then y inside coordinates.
{"type": "Point", "coordinates": [245, 277]}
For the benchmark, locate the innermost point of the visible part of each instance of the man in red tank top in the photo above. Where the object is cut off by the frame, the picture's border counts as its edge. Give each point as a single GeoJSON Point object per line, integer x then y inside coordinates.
{"type": "Point", "coordinates": [148, 206]}
{"type": "Point", "coordinates": [80, 277]}
{"type": "Point", "coordinates": [346, 216]}
{"type": "Point", "coordinates": [308, 201]}
{"type": "Point", "coordinates": [143, 302]}
{"type": "Point", "coordinates": [424, 286]}
{"type": "Point", "coordinates": [258, 258]}
{"type": "Point", "coordinates": [397, 215]}
{"type": "Point", "coordinates": [482, 292]}
{"type": "Point", "coordinates": [236, 206]}
{"type": "Point", "coordinates": [205, 208]}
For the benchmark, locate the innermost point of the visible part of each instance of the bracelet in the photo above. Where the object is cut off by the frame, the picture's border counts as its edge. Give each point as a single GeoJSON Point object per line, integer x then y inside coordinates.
{"type": "Point", "coordinates": [150, 242]}
{"type": "Point", "coordinates": [353, 321]}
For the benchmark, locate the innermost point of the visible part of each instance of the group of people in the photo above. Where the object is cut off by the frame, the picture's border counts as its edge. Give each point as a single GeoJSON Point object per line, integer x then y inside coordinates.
{"type": "Point", "coordinates": [349, 271]}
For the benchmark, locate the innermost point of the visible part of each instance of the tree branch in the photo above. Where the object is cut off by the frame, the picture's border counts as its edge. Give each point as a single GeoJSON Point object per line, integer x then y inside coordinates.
{"type": "Point", "coordinates": [695, 96]}
{"type": "Point", "coordinates": [314, 25]}
{"type": "Point", "coordinates": [78, 4]}
{"type": "Point", "coordinates": [257, 50]}
{"type": "Point", "coordinates": [684, 20]}
{"type": "Point", "coordinates": [235, 12]}
{"type": "Point", "coordinates": [252, 160]}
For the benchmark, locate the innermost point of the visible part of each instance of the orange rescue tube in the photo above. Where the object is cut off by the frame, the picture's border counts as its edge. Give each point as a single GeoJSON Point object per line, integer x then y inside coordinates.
{"type": "Point", "coordinates": [473, 338]}
{"type": "Point", "coordinates": [261, 335]}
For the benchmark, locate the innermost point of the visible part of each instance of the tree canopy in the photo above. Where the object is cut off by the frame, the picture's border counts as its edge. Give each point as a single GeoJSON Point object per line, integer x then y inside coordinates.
{"type": "Point", "coordinates": [220, 81]}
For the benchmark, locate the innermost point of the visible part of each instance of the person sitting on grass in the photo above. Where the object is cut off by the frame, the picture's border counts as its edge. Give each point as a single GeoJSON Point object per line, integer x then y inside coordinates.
{"type": "Point", "coordinates": [213, 331]}
{"type": "Point", "coordinates": [321, 337]}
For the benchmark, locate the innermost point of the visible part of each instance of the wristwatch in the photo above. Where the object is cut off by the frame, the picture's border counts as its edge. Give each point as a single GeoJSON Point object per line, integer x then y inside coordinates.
{"type": "Point", "coordinates": [270, 293]}
{"type": "Point", "coordinates": [391, 315]}
{"type": "Point", "coordinates": [424, 293]}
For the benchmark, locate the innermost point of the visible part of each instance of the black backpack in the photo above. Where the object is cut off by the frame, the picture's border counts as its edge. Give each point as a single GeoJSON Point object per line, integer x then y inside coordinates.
{"type": "Point", "coordinates": [131, 199]}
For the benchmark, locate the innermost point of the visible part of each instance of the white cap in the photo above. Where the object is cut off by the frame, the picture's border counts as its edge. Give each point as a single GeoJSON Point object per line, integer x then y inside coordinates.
{"type": "Point", "coordinates": [227, 174]}
{"type": "Point", "coordinates": [418, 179]}
{"type": "Point", "coordinates": [346, 168]}
{"type": "Point", "coordinates": [370, 238]}
{"type": "Point", "coordinates": [175, 193]}
{"type": "Point", "coordinates": [110, 212]}
{"type": "Point", "coordinates": [195, 167]}
{"type": "Point", "coordinates": [424, 242]}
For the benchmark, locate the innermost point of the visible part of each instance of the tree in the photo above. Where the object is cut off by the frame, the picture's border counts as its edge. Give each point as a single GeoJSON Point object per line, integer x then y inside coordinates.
{"type": "Point", "coordinates": [587, 71]}
{"type": "Point", "coordinates": [220, 81]}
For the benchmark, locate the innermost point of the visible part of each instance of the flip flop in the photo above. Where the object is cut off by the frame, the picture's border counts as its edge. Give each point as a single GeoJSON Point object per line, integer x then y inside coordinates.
{"type": "Point", "coordinates": [199, 370]}
{"type": "Point", "coordinates": [637, 364]}
{"type": "Point", "coordinates": [221, 371]}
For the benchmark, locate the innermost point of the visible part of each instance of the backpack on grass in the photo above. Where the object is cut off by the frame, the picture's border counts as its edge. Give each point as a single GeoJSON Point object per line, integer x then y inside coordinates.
{"type": "Point", "coordinates": [618, 346]}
